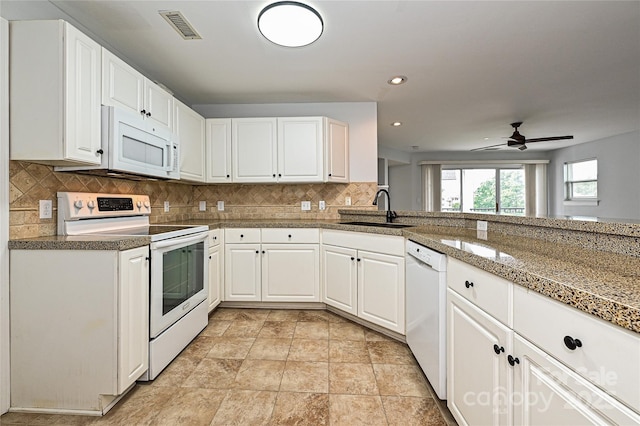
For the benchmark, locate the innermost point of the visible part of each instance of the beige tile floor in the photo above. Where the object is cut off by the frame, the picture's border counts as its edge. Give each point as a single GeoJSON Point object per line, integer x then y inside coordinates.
{"type": "Point", "coordinates": [277, 367]}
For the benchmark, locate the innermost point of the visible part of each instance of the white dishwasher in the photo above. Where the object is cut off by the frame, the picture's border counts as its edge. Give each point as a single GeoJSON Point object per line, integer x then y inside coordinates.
{"type": "Point", "coordinates": [426, 312]}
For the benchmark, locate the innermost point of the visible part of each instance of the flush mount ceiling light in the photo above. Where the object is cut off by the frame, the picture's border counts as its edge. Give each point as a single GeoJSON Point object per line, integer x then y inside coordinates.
{"type": "Point", "coordinates": [396, 124]}
{"type": "Point", "coordinates": [397, 80]}
{"type": "Point", "coordinates": [290, 24]}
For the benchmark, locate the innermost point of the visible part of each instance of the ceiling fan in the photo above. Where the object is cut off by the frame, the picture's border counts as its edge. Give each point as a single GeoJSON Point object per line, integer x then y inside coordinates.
{"type": "Point", "coordinates": [519, 141]}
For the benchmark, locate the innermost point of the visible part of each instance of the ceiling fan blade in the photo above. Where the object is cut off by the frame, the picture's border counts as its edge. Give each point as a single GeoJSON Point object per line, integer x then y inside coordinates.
{"type": "Point", "coordinates": [552, 138]}
{"type": "Point", "coordinates": [512, 142]}
{"type": "Point", "coordinates": [487, 147]}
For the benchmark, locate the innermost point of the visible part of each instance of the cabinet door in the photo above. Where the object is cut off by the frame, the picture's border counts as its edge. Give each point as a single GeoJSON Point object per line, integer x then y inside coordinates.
{"type": "Point", "coordinates": [381, 289]}
{"type": "Point", "coordinates": [216, 275]}
{"type": "Point", "coordinates": [189, 126]}
{"type": "Point", "coordinates": [133, 316]}
{"type": "Point", "coordinates": [218, 150]}
{"type": "Point", "coordinates": [300, 146]}
{"type": "Point", "coordinates": [290, 273]}
{"type": "Point", "coordinates": [337, 151]}
{"type": "Point", "coordinates": [340, 278]}
{"type": "Point", "coordinates": [253, 150]}
{"type": "Point", "coordinates": [242, 272]}
{"type": "Point", "coordinates": [82, 97]}
{"type": "Point", "coordinates": [479, 380]}
{"type": "Point", "coordinates": [122, 86]}
{"type": "Point", "coordinates": [158, 104]}
{"type": "Point", "coordinates": [548, 393]}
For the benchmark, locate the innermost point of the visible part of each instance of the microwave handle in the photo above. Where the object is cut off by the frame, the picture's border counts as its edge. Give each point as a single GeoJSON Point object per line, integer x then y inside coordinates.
{"type": "Point", "coordinates": [184, 240]}
{"type": "Point", "coordinates": [171, 147]}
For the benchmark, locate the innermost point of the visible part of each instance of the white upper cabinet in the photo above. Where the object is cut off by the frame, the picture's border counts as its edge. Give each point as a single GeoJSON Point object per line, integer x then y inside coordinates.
{"type": "Point", "coordinates": [55, 94]}
{"type": "Point", "coordinates": [218, 150]}
{"type": "Point", "coordinates": [283, 149]}
{"type": "Point", "coordinates": [300, 149]}
{"type": "Point", "coordinates": [189, 128]}
{"type": "Point", "coordinates": [253, 150]}
{"type": "Point", "coordinates": [336, 151]}
{"type": "Point", "coordinates": [124, 87]}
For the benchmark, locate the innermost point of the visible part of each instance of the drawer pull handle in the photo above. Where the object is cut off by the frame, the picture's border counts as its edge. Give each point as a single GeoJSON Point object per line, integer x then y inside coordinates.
{"type": "Point", "coordinates": [468, 284]}
{"type": "Point", "coordinates": [572, 343]}
{"type": "Point", "coordinates": [513, 361]}
{"type": "Point", "coordinates": [497, 349]}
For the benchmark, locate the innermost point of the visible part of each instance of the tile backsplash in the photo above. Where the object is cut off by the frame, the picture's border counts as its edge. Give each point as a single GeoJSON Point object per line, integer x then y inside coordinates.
{"type": "Point", "coordinates": [31, 182]}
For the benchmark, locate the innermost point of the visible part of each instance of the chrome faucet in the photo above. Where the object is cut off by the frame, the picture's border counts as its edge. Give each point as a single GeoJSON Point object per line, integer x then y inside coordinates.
{"type": "Point", "coordinates": [390, 213]}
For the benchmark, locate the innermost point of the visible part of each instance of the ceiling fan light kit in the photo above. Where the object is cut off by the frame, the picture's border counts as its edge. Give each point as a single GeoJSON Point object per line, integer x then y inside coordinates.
{"type": "Point", "coordinates": [290, 24]}
{"type": "Point", "coordinates": [517, 140]}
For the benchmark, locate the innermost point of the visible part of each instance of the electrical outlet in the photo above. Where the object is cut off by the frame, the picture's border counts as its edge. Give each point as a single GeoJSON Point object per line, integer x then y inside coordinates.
{"type": "Point", "coordinates": [481, 235]}
{"type": "Point", "coordinates": [220, 206]}
{"type": "Point", "coordinates": [321, 205]}
{"type": "Point", "coordinates": [306, 205]}
{"type": "Point", "coordinates": [347, 201]}
{"type": "Point", "coordinates": [202, 206]}
{"type": "Point", "coordinates": [46, 209]}
{"type": "Point", "coordinates": [481, 225]}
{"type": "Point", "coordinates": [166, 207]}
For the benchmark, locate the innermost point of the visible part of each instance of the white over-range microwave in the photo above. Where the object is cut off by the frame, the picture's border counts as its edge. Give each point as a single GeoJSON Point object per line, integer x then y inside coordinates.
{"type": "Point", "coordinates": [133, 146]}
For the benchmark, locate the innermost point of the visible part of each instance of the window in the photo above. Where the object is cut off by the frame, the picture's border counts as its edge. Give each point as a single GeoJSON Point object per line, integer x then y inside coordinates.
{"type": "Point", "coordinates": [483, 190]}
{"type": "Point", "coordinates": [581, 180]}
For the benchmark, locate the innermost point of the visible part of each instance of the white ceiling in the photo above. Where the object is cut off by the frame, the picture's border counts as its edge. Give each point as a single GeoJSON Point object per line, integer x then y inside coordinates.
{"type": "Point", "coordinates": [561, 67]}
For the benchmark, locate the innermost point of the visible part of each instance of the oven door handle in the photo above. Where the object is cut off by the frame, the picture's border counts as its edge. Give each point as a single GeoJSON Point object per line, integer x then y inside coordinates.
{"type": "Point", "coordinates": [179, 241]}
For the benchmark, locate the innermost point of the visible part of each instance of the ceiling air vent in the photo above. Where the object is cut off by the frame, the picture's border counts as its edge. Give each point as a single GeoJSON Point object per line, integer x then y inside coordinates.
{"type": "Point", "coordinates": [180, 24]}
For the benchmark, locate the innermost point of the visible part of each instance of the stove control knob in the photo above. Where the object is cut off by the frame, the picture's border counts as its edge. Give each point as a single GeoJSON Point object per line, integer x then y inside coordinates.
{"type": "Point", "coordinates": [147, 205]}
{"type": "Point", "coordinates": [139, 204]}
{"type": "Point", "coordinates": [91, 204]}
{"type": "Point", "coordinates": [78, 204]}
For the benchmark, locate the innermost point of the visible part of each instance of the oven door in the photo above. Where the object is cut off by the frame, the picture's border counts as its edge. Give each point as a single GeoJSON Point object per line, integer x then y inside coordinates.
{"type": "Point", "coordinates": [179, 270]}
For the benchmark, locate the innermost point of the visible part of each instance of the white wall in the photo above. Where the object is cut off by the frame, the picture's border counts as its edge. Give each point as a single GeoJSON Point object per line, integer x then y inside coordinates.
{"type": "Point", "coordinates": [618, 177]}
{"type": "Point", "coordinates": [400, 190]}
{"type": "Point", "coordinates": [4, 216]}
{"type": "Point", "coordinates": [361, 116]}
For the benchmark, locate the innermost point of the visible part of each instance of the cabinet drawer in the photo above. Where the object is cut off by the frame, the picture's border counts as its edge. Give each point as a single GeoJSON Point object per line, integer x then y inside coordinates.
{"type": "Point", "coordinates": [290, 235]}
{"type": "Point", "coordinates": [386, 244]}
{"type": "Point", "coordinates": [242, 235]}
{"type": "Point", "coordinates": [487, 291]}
{"type": "Point", "coordinates": [609, 356]}
{"type": "Point", "coordinates": [215, 237]}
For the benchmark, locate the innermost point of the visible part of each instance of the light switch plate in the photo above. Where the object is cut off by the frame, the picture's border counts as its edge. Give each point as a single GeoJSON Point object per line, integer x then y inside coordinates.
{"type": "Point", "coordinates": [347, 201]}
{"type": "Point", "coordinates": [306, 205]}
{"type": "Point", "coordinates": [220, 206]}
{"type": "Point", "coordinates": [46, 208]}
{"type": "Point", "coordinates": [322, 205]}
{"type": "Point", "coordinates": [203, 206]}
{"type": "Point", "coordinates": [166, 207]}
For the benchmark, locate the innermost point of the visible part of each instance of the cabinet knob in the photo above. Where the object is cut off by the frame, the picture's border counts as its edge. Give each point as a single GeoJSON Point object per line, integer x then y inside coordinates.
{"type": "Point", "coordinates": [279, 175]}
{"type": "Point", "coordinates": [143, 112]}
{"type": "Point", "coordinates": [100, 151]}
{"type": "Point", "coordinates": [257, 251]}
{"type": "Point", "coordinates": [468, 284]}
{"type": "Point", "coordinates": [497, 349]}
{"type": "Point", "coordinates": [572, 343]}
{"type": "Point", "coordinates": [241, 235]}
{"type": "Point", "coordinates": [147, 258]}
{"type": "Point", "coordinates": [289, 235]}
{"type": "Point", "coordinates": [148, 114]}
{"type": "Point", "coordinates": [262, 251]}
{"type": "Point", "coordinates": [274, 175]}
{"type": "Point", "coordinates": [209, 257]}
{"type": "Point", "coordinates": [359, 259]}
{"type": "Point", "coordinates": [512, 361]}
{"type": "Point", "coordinates": [227, 176]}
{"type": "Point", "coordinates": [215, 238]}
{"type": "Point", "coordinates": [353, 258]}
{"type": "Point", "coordinates": [329, 174]}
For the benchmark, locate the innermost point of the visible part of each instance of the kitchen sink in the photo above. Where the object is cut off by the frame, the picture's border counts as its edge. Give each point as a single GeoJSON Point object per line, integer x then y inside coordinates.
{"type": "Point", "coordinates": [378, 225]}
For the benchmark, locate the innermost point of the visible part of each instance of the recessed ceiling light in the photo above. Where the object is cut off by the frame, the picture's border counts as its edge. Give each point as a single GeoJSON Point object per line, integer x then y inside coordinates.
{"type": "Point", "coordinates": [396, 123]}
{"type": "Point", "coordinates": [290, 24]}
{"type": "Point", "coordinates": [397, 80]}
{"type": "Point", "coordinates": [486, 139]}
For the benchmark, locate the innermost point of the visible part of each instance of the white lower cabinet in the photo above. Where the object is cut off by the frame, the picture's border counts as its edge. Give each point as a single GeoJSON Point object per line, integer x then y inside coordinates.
{"type": "Point", "coordinates": [79, 327]}
{"type": "Point", "coordinates": [364, 275]}
{"type": "Point", "coordinates": [272, 265]}
{"type": "Point", "coordinates": [545, 364]}
{"type": "Point", "coordinates": [340, 278]}
{"type": "Point", "coordinates": [216, 268]}
{"type": "Point", "coordinates": [478, 378]}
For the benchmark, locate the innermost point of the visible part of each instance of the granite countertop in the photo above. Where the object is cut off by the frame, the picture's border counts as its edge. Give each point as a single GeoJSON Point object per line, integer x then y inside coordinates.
{"type": "Point", "coordinates": [603, 284]}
